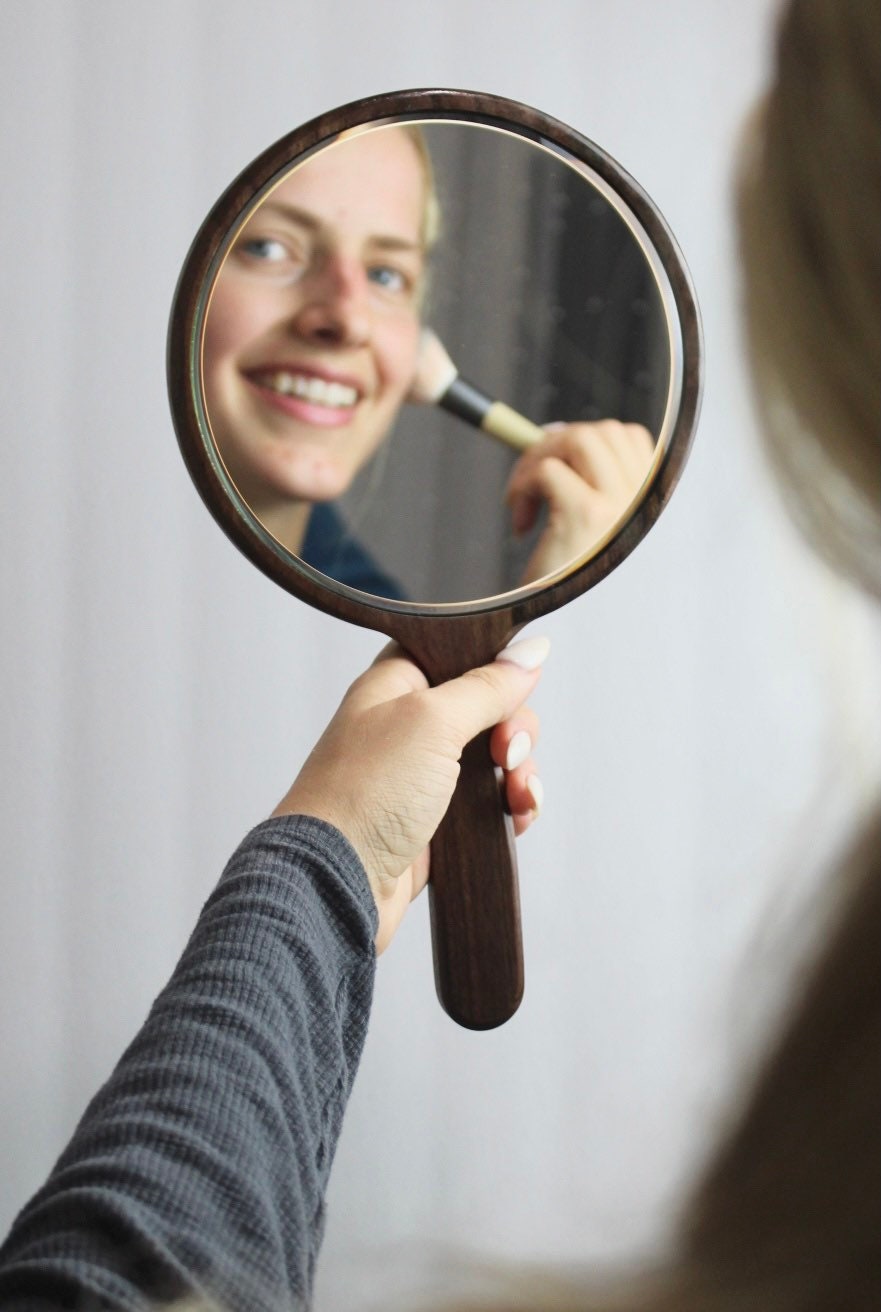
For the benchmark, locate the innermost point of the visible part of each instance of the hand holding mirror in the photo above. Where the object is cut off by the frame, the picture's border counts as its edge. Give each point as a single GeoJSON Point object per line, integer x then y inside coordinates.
{"type": "Point", "coordinates": [322, 315]}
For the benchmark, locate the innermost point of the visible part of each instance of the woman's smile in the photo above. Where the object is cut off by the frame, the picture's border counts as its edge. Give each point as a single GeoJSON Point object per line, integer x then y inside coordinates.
{"type": "Point", "coordinates": [305, 395]}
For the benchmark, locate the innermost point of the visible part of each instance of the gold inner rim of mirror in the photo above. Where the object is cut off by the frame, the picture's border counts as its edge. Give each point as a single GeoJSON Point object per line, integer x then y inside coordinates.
{"type": "Point", "coordinates": [674, 358]}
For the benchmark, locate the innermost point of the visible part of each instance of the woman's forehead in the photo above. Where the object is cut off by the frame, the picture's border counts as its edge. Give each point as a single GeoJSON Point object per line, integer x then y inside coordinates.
{"type": "Point", "coordinates": [373, 184]}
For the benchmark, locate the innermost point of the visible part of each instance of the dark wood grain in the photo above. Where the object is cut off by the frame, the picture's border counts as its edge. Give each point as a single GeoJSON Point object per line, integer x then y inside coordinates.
{"type": "Point", "coordinates": [474, 900]}
{"type": "Point", "coordinates": [473, 892]}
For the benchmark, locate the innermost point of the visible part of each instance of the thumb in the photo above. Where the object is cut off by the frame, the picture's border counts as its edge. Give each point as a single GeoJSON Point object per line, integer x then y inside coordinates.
{"type": "Point", "coordinates": [485, 697]}
{"type": "Point", "coordinates": [391, 675]}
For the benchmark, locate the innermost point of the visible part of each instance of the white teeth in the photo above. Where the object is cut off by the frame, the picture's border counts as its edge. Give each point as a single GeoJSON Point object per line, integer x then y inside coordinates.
{"type": "Point", "coordinates": [319, 391]}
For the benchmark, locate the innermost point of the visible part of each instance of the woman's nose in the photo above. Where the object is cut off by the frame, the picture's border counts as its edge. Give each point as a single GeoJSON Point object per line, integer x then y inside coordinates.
{"type": "Point", "coordinates": [335, 306]}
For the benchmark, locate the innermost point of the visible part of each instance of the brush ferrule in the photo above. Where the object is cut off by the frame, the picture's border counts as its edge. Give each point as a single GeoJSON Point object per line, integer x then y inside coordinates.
{"type": "Point", "coordinates": [466, 401]}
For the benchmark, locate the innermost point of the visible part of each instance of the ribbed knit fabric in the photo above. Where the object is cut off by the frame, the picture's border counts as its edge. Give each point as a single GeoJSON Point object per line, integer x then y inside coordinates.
{"type": "Point", "coordinates": [200, 1168]}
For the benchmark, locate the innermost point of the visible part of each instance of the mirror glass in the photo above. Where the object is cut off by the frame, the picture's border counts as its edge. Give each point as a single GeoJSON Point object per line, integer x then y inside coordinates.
{"type": "Point", "coordinates": [345, 291]}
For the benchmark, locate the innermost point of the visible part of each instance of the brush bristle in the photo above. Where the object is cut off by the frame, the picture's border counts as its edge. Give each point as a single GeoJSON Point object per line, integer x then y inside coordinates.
{"type": "Point", "coordinates": [435, 371]}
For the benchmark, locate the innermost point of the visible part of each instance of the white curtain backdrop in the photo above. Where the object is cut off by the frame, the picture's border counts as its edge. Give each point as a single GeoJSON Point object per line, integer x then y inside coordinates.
{"type": "Point", "coordinates": [707, 711]}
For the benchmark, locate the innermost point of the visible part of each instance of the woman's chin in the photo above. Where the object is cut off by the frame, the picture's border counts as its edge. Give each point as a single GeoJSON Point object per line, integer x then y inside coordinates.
{"type": "Point", "coordinates": [326, 485]}
{"type": "Point", "coordinates": [322, 481]}
{"type": "Point", "coordinates": [272, 480]}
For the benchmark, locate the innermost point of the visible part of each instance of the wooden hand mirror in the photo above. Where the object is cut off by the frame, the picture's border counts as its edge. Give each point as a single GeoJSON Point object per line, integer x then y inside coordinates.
{"type": "Point", "coordinates": [323, 315]}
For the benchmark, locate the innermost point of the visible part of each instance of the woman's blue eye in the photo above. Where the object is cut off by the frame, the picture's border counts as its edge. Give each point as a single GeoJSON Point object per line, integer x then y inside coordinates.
{"type": "Point", "coordinates": [391, 280]}
{"type": "Point", "coordinates": [265, 248]}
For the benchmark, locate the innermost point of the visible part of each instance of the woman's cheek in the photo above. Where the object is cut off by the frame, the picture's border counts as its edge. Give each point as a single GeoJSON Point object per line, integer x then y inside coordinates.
{"type": "Point", "coordinates": [400, 356]}
{"type": "Point", "coordinates": [236, 316]}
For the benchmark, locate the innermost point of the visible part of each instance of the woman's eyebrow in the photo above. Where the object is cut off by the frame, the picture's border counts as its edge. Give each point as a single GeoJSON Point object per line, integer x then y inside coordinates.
{"type": "Point", "coordinates": [292, 213]}
{"type": "Point", "coordinates": [391, 243]}
{"type": "Point", "coordinates": [314, 223]}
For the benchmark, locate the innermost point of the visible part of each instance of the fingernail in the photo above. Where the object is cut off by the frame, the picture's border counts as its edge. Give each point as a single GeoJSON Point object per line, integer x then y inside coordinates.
{"type": "Point", "coordinates": [528, 653]}
{"type": "Point", "coordinates": [556, 427]}
{"type": "Point", "coordinates": [518, 749]}
{"type": "Point", "coordinates": [536, 792]}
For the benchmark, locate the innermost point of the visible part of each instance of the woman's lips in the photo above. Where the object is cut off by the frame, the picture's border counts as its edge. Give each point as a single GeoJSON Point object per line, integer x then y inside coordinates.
{"type": "Point", "coordinates": [309, 397]}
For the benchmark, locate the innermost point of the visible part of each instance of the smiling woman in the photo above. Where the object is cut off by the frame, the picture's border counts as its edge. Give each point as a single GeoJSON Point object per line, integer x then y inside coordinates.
{"type": "Point", "coordinates": [312, 336]}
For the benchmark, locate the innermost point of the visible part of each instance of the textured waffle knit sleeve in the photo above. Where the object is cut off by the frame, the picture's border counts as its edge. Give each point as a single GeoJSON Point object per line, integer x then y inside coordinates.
{"type": "Point", "coordinates": [200, 1168]}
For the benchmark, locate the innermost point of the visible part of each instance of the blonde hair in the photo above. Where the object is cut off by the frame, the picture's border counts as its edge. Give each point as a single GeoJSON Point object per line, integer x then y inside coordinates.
{"type": "Point", "coordinates": [810, 218]}
{"type": "Point", "coordinates": [431, 213]}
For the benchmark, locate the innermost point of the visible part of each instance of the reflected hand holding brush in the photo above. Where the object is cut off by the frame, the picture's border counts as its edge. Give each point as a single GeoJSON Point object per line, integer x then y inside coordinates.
{"type": "Point", "coordinates": [583, 476]}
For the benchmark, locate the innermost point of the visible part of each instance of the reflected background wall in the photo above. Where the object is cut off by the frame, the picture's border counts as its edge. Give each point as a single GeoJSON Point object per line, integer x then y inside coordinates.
{"type": "Point", "coordinates": [699, 704]}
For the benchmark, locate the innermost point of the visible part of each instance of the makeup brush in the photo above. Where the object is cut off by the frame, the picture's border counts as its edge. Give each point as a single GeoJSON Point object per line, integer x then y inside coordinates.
{"type": "Point", "coordinates": [438, 382]}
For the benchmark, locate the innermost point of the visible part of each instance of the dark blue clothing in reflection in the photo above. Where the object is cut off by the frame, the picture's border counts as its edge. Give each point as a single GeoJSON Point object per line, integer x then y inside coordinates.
{"type": "Point", "coordinates": [330, 548]}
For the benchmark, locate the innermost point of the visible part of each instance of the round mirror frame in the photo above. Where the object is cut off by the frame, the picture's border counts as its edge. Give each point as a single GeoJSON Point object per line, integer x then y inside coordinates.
{"type": "Point", "coordinates": [184, 356]}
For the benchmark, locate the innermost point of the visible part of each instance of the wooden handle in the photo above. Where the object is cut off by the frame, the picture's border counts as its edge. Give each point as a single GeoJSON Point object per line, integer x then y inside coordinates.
{"type": "Point", "coordinates": [474, 899]}
{"type": "Point", "coordinates": [472, 890]}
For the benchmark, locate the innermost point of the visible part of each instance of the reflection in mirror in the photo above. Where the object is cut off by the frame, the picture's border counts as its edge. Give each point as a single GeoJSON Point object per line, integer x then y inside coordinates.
{"type": "Point", "coordinates": [322, 353]}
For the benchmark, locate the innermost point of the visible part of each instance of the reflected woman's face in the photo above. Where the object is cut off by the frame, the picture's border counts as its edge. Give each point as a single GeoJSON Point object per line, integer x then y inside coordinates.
{"type": "Point", "coordinates": [312, 332]}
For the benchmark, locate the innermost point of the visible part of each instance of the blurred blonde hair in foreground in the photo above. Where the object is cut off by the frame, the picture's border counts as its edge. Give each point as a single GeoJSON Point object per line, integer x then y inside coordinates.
{"type": "Point", "coordinates": [810, 218]}
{"type": "Point", "coordinates": [788, 1215]}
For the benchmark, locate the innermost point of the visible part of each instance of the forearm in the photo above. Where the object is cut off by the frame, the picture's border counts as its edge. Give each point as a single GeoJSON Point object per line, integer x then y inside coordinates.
{"type": "Point", "coordinates": [201, 1166]}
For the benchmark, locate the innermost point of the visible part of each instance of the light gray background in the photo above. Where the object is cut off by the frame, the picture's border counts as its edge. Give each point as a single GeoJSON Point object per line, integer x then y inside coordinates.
{"type": "Point", "coordinates": [705, 711]}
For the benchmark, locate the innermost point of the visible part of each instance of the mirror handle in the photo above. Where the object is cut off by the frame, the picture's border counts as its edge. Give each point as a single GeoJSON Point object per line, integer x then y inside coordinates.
{"type": "Point", "coordinates": [474, 899]}
{"type": "Point", "coordinates": [472, 889]}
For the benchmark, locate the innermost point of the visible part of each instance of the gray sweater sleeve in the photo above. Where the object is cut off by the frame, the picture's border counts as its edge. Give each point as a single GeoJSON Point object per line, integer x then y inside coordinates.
{"type": "Point", "coordinates": [200, 1167]}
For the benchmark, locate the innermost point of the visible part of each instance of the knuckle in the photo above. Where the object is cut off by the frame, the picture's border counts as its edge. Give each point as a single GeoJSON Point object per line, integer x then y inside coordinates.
{"type": "Point", "coordinates": [486, 676]}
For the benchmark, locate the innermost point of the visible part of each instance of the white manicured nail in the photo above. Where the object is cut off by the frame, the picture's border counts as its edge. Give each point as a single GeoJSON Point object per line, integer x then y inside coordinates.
{"type": "Point", "coordinates": [536, 792]}
{"type": "Point", "coordinates": [528, 653]}
{"type": "Point", "coordinates": [518, 749]}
